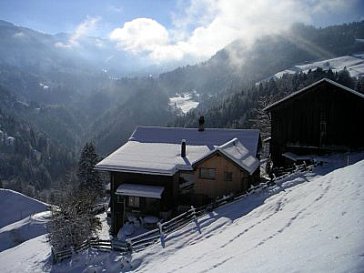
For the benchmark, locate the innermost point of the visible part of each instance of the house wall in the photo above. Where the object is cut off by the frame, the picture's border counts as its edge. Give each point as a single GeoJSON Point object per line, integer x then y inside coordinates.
{"type": "Point", "coordinates": [296, 123]}
{"type": "Point", "coordinates": [241, 180]}
{"type": "Point", "coordinates": [169, 196]}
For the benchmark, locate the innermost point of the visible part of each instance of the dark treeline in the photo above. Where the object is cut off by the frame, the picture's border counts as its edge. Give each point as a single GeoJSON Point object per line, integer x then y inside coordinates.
{"type": "Point", "coordinates": [241, 109]}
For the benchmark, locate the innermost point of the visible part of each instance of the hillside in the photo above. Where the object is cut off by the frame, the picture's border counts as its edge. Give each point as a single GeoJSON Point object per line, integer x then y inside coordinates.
{"type": "Point", "coordinates": [308, 222]}
{"type": "Point", "coordinates": [16, 206]}
{"type": "Point", "coordinates": [60, 97]}
{"type": "Point", "coordinates": [238, 65]}
{"type": "Point", "coordinates": [311, 224]}
{"type": "Point", "coordinates": [21, 219]}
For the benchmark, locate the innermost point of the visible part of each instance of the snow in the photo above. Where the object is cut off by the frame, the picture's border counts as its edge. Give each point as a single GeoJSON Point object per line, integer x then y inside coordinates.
{"type": "Point", "coordinates": [31, 256]}
{"type": "Point", "coordinates": [23, 230]}
{"type": "Point", "coordinates": [157, 150]}
{"type": "Point", "coordinates": [240, 155]}
{"type": "Point", "coordinates": [140, 190]}
{"type": "Point", "coordinates": [311, 223]}
{"type": "Point", "coordinates": [354, 64]}
{"type": "Point", "coordinates": [183, 102]}
{"type": "Point", "coordinates": [44, 86]}
{"type": "Point", "coordinates": [15, 206]}
{"type": "Point", "coordinates": [308, 222]}
{"type": "Point", "coordinates": [22, 218]}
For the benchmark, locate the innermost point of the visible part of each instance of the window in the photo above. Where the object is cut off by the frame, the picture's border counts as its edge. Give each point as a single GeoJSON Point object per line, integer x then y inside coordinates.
{"type": "Point", "coordinates": [228, 176]}
{"type": "Point", "coordinates": [207, 173]}
{"type": "Point", "coordinates": [134, 201]}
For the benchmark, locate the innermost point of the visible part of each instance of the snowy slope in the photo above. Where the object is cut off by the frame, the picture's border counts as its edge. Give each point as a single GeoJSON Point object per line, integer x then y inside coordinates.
{"type": "Point", "coordinates": [29, 257]}
{"type": "Point", "coordinates": [23, 230]}
{"type": "Point", "coordinates": [310, 222]}
{"type": "Point", "coordinates": [184, 102]}
{"type": "Point", "coordinates": [315, 226]}
{"type": "Point", "coordinates": [354, 64]}
{"type": "Point", "coordinates": [16, 206]}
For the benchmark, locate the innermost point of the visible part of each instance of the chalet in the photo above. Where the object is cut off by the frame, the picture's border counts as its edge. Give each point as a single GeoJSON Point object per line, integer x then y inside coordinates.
{"type": "Point", "coordinates": [160, 166]}
{"type": "Point", "coordinates": [321, 118]}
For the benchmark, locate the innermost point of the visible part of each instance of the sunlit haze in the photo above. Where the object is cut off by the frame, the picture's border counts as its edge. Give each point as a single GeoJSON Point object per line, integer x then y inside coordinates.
{"type": "Point", "coordinates": [169, 31]}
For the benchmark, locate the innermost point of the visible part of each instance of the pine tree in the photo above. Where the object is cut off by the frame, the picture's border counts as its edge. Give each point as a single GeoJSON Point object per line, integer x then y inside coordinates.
{"type": "Point", "coordinates": [89, 179]}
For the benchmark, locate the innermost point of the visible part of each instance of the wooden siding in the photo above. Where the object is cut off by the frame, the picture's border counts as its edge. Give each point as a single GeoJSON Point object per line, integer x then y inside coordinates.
{"type": "Point", "coordinates": [169, 196]}
{"type": "Point", "coordinates": [296, 123]}
{"type": "Point", "coordinates": [218, 187]}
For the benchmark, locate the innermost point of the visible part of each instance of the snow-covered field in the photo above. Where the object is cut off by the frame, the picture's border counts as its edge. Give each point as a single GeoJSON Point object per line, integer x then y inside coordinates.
{"type": "Point", "coordinates": [309, 222]}
{"type": "Point", "coordinates": [354, 64]}
{"type": "Point", "coordinates": [15, 206]}
{"type": "Point", "coordinates": [183, 102]}
{"type": "Point", "coordinates": [22, 218]}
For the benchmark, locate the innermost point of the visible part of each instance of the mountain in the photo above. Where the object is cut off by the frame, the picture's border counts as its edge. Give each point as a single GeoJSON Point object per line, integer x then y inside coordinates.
{"type": "Point", "coordinates": [30, 160]}
{"type": "Point", "coordinates": [239, 65]}
{"type": "Point", "coordinates": [68, 91]}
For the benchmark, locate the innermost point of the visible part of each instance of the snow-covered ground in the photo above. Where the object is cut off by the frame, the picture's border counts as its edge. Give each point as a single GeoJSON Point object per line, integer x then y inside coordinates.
{"type": "Point", "coordinates": [23, 230]}
{"type": "Point", "coordinates": [22, 218]}
{"type": "Point", "coordinates": [16, 206]}
{"type": "Point", "coordinates": [309, 222]}
{"type": "Point", "coordinates": [184, 102]}
{"type": "Point", "coordinates": [354, 64]}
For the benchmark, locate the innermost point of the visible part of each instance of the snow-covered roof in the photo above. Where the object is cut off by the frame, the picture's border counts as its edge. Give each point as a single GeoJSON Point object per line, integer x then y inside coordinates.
{"type": "Point", "coordinates": [240, 155]}
{"type": "Point", "coordinates": [140, 190]}
{"type": "Point", "coordinates": [345, 88]}
{"type": "Point", "coordinates": [157, 150]}
{"type": "Point", "coordinates": [210, 136]}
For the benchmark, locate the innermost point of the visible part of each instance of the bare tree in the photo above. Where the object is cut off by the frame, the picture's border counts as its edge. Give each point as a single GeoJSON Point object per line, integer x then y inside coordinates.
{"type": "Point", "coordinates": [261, 118]}
{"type": "Point", "coordinates": [72, 222]}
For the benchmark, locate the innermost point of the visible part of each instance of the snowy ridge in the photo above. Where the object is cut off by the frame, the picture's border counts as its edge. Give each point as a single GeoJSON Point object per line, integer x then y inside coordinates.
{"type": "Point", "coordinates": [23, 230]}
{"type": "Point", "coordinates": [354, 64]}
{"type": "Point", "coordinates": [22, 218]}
{"type": "Point", "coordinates": [15, 206]}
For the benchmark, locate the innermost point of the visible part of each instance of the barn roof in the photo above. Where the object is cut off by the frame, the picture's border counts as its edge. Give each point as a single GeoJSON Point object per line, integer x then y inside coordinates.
{"type": "Point", "coordinates": [307, 88]}
{"type": "Point", "coordinates": [157, 150]}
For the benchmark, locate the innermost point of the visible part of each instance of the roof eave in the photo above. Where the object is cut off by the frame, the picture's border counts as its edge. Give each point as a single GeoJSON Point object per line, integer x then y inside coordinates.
{"type": "Point", "coordinates": [139, 171]}
{"type": "Point", "coordinates": [270, 107]}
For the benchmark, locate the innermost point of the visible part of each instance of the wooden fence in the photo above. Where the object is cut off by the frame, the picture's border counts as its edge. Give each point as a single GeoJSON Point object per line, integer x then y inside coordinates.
{"type": "Point", "coordinates": [136, 243]}
{"type": "Point", "coordinates": [146, 239]}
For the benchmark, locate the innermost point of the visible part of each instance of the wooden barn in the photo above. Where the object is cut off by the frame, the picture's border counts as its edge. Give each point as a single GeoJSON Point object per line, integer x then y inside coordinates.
{"type": "Point", "coordinates": [160, 166]}
{"type": "Point", "coordinates": [321, 118]}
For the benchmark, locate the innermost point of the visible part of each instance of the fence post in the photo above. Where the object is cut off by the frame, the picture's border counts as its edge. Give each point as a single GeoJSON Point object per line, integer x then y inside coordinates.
{"type": "Point", "coordinates": [195, 219]}
{"type": "Point", "coordinates": [161, 234]}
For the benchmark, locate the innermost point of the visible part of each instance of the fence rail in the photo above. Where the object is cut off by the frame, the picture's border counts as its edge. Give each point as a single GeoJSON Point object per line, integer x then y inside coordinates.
{"type": "Point", "coordinates": [135, 243]}
{"type": "Point", "coordinates": [161, 233]}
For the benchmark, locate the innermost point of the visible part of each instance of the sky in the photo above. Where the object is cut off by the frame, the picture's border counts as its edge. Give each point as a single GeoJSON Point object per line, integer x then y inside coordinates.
{"type": "Point", "coordinates": [166, 30]}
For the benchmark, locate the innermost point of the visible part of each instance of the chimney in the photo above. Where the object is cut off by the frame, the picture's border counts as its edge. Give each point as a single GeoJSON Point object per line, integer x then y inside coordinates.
{"type": "Point", "coordinates": [183, 148]}
{"type": "Point", "coordinates": [201, 123]}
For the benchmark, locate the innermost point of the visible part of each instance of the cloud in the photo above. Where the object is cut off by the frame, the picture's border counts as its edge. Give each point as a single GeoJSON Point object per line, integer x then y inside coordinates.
{"type": "Point", "coordinates": [81, 30]}
{"type": "Point", "coordinates": [19, 35]}
{"type": "Point", "coordinates": [204, 26]}
{"type": "Point", "coordinates": [142, 34]}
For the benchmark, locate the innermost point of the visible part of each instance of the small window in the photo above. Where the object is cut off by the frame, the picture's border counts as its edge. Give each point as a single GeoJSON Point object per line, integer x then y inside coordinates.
{"type": "Point", "coordinates": [228, 176]}
{"type": "Point", "coordinates": [207, 173]}
{"type": "Point", "coordinates": [134, 201]}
